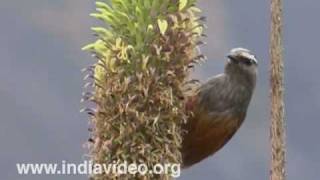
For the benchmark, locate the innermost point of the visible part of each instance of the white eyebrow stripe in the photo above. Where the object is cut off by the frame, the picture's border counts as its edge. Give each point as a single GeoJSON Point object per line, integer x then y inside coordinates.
{"type": "Point", "coordinates": [240, 50]}
{"type": "Point", "coordinates": [247, 55]}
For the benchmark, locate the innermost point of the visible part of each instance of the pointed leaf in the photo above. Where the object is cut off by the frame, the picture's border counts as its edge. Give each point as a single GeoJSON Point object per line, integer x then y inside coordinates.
{"type": "Point", "coordinates": [182, 4]}
{"type": "Point", "coordinates": [163, 26]}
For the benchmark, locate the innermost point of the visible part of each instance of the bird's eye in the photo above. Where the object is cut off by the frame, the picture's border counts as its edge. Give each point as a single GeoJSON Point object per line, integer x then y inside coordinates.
{"type": "Point", "coordinates": [233, 60]}
{"type": "Point", "coordinates": [247, 62]}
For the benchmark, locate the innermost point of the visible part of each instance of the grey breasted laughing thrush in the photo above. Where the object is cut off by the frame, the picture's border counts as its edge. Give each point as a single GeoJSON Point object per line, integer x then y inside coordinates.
{"type": "Point", "coordinates": [219, 107]}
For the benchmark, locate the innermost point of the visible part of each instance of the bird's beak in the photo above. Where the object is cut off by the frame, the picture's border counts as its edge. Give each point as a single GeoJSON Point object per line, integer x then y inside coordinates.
{"type": "Point", "coordinates": [254, 60]}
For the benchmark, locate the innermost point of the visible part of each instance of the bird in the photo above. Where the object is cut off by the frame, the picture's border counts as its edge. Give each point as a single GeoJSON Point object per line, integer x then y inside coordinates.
{"type": "Point", "coordinates": [219, 107]}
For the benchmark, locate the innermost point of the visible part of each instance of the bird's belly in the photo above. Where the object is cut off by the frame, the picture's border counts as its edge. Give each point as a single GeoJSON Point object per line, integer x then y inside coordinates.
{"type": "Point", "coordinates": [207, 138]}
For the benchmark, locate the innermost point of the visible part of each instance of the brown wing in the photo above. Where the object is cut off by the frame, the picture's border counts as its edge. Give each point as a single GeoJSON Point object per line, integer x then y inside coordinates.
{"type": "Point", "coordinates": [206, 134]}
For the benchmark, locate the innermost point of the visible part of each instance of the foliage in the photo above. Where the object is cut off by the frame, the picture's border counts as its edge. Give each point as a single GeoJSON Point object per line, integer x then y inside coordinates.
{"type": "Point", "coordinates": [144, 51]}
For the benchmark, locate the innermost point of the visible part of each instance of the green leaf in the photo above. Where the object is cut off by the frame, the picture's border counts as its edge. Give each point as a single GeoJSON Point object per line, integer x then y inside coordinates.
{"type": "Point", "coordinates": [111, 64]}
{"type": "Point", "coordinates": [195, 9]}
{"type": "Point", "coordinates": [88, 47]}
{"type": "Point", "coordinates": [163, 26]}
{"type": "Point", "coordinates": [104, 6]}
{"type": "Point", "coordinates": [145, 60]}
{"type": "Point", "coordinates": [150, 28]}
{"type": "Point", "coordinates": [102, 32]}
{"type": "Point", "coordinates": [182, 4]}
{"type": "Point", "coordinates": [106, 19]}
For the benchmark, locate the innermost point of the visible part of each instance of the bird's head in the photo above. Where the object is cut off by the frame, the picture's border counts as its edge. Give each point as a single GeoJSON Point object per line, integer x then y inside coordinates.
{"type": "Point", "coordinates": [241, 62]}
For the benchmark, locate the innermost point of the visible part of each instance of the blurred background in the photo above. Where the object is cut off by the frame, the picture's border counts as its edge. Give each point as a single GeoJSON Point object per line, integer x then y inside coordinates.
{"type": "Point", "coordinates": [41, 85]}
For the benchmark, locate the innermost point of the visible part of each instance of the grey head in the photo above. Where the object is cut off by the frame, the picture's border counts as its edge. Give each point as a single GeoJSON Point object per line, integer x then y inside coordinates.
{"type": "Point", "coordinates": [233, 89]}
{"type": "Point", "coordinates": [242, 65]}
